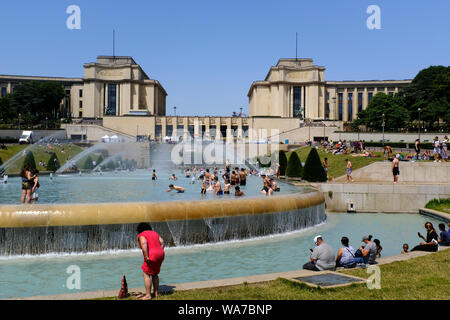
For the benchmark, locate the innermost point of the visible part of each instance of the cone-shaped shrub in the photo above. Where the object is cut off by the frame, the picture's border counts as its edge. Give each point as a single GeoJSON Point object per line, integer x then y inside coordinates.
{"type": "Point", "coordinates": [282, 160]}
{"type": "Point", "coordinates": [313, 170]}
{"type": "Point", "coordinates": [29, 159]}
{"type": "Point", "coordinates": [88, 165]}
{"type": "Point", "coordinates": [53, 163]}
{"type": "Point", "coordinates": [294, 167]}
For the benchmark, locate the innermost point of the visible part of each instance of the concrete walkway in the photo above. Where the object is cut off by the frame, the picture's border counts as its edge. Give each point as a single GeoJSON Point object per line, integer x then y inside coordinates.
{"type": "Point", "coordinates": [218, 283]}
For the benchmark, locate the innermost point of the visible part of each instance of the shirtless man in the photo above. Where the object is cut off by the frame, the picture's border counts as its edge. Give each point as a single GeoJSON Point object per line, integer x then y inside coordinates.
{"type": "Point", "coordinates": [243, 177]}
{"type": "Point", "coordinates": [176, 188]}
{"type": "Point", "coordinates": [395, 168]}
{"type": "Point", "coordinates": [217, 187]}
{"type": "Point", "coordinates": [349, 171]}
{"type": "Point", "coordinates": [266, 190]}
{"type": "Point", "coordinates": [204, 187]}
{"type": "Point", "coordinates": [172, 177]}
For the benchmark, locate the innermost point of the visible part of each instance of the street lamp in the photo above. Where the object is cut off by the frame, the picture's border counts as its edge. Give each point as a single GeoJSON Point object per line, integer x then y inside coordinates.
{"type": "Point", "coordinates": [419, 122]}
{"type": "Point", "coordinates": [46, 125]}
{"type": "Point", "coordinates": [19, 121]}
{"type": "Point", "coordinates": [175, 111]}
{"type": "Point", "coordinates": [383, 124]}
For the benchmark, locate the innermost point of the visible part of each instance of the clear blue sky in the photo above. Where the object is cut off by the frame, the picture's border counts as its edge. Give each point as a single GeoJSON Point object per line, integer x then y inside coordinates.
{"type": "Point", "coordinates": [206, 53]}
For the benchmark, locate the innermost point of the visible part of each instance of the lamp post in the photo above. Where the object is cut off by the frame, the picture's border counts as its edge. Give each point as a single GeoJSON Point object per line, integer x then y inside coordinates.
{"type": "Point", "coordinates": [19, 121]}
{"type": "Point", "coordinates": [419, 122]}
{"type": "Point", "coordinates": [383, 124]}
{"type": "Point", "coordinates": [46, 124]}
{"type": "Point", "coordinates": [175, 111]}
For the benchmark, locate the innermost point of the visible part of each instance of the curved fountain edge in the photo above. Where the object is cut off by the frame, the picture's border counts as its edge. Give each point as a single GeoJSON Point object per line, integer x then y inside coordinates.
{"type": "Point", "coordinates": [46, 215]}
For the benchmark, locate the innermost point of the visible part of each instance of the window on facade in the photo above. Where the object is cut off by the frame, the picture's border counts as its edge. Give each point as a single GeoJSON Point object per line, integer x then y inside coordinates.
{"type": "Point", "coordinates": [340, 105]}
{"type": "Point", "coordinates": [223, 131]}
{"type": "Point", "coordinates": [81, 104]}
{"type": "Point", "coordinates": [350, 106]}
{"type": "Point", "coordinates": [111, 107]}
{"type": "Point", "coordinates": [169, 130]}
{"type": "Point", "coordinates": [212, 131]}
{"type": "Point", "coordinates": [81, 93]}
{"type": "Point", "coordinates": [327, 110]}
{"type": "Point", "coordinates": [391, 93]}
{"type": "Point", "coordinates": [3, 91]}
{"type": "Point", "coordinates": [158, 131]}
{"type": "Point", "coordinates": [80, 114]}
{"type": "Point", "coordinates": [370, 96]}
{"type": "Point", "coordinates": [297, 107]}
{"type": "Point", "coordinates": [360, 102]}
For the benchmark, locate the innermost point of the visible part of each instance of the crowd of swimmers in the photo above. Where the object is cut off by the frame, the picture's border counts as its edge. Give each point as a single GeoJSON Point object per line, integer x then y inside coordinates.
{"type": "Point", "coordinates": [223, 182]}
{"type": "Point", "coordinates": [322, 257]}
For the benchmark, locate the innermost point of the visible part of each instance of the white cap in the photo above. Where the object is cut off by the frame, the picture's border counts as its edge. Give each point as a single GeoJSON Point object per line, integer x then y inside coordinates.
{"type": "Point", "coordinates": [317, 237]}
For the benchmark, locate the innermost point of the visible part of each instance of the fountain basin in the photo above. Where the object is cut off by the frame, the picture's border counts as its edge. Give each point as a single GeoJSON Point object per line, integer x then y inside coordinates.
{"type": "Point", "coordinates": [54, 228]}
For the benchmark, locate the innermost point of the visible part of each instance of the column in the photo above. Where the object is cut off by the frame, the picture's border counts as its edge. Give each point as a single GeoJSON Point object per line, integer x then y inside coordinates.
{"type": "Point", "coordinates": [345, 105]}
{"type": "Point", "coordinates": [355, 103]}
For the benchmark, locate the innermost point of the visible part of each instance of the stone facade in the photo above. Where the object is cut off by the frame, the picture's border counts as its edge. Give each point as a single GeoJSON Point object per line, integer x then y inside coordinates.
{"type": "Point", "coordinates": [118, 91]}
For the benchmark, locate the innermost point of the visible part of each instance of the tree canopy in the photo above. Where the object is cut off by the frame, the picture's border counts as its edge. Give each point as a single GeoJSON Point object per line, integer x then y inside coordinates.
{"type": "Point", "coordinates": [34, 101]}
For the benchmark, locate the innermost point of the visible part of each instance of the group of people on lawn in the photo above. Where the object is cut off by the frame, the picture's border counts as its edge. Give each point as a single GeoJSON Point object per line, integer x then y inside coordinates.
{"type": "Point", "coordinates": [323, 257]}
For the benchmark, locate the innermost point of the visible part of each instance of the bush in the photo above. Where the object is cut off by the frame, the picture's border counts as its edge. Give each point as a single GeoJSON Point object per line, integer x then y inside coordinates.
{"type": "Point", "coordinates": [282, 160]}
{"type": "Point", "coordinates": [29, 159]}
{"type": "Point", "coordinates": [53, 163]}
{"type": "Point", "coordinates": [1, 161]}
{"type": "Point", "coordinates": [313, 170]}
{"type": "Point", "coordinates": [88, 165]}
{"type": "Point", "coordinates": [294, 167]}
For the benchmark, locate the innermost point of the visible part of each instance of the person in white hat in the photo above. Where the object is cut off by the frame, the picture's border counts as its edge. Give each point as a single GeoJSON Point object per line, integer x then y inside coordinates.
{"type": "Point", "coordinates": [322, 257]}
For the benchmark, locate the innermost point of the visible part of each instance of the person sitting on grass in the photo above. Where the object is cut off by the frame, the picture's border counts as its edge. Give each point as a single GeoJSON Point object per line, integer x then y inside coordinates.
{"type": "Point", "coordinates": [176, 188]}
{"type": "Point", "coordinates": [322, 257]}
{"type": "Point", "coordinates": [444, 236]}
{"type": "Point", "coordinates": [368, 251]}
{"type": "Point", "coordinates": [431, 244]}
{"type": "Point", "coordinates": [346, 255]}
{"type": "Point", "coordinates": [405, 248]}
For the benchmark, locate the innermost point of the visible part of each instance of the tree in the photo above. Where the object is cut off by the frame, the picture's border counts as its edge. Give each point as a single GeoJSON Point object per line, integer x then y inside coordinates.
{"type": "Point", "coordinates": [282, 160]}
{"type": "Point", "coordinates": [37, 101]}
{"type": "Point", "coordinates": [88, 165]}
{"type": "Point", "coordinates": [294, 167]}
{"type": "Point", "coordinates": [29, 159]}
{"type": "Point", "coordinates": [7, 110]}
{"type": "Point", "coordinates": [313, 170]}
{"type": "Point", "coordinates": [429, 91]}
{"type": "Point", "coordinates": [393, 107]}
{"type": "Point", "coordinates": [53, 163]}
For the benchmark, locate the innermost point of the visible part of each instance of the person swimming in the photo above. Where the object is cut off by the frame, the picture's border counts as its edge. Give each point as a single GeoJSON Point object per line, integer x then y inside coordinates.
{"type": "Point", "coordinates": [204, 187]}
{"type": "Point", "coordinates": [238, 192]}
{"type": "Point", "coordinates": [176, 188]}
{"type": "Point", "coordinates": [227, 187]}
{"type": "Point", "coordinates": [217, 187]}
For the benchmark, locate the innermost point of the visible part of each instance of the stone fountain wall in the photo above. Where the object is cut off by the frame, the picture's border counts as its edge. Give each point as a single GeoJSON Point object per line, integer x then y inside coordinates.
{"type": "Point", "coordinates": [66, 228]}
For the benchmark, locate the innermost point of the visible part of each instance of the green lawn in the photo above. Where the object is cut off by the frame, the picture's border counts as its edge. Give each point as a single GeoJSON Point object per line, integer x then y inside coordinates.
{"type": "Point", "coordinates": [336, 163]}
{"type": "Point", "coordinates": [39, 153]}
{"type": "Point", "coordinates": [423, 278]}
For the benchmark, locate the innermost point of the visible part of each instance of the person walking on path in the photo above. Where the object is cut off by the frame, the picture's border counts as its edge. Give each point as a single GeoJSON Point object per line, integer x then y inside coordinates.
{"type": "Point", "coordinates": [349, 171]}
